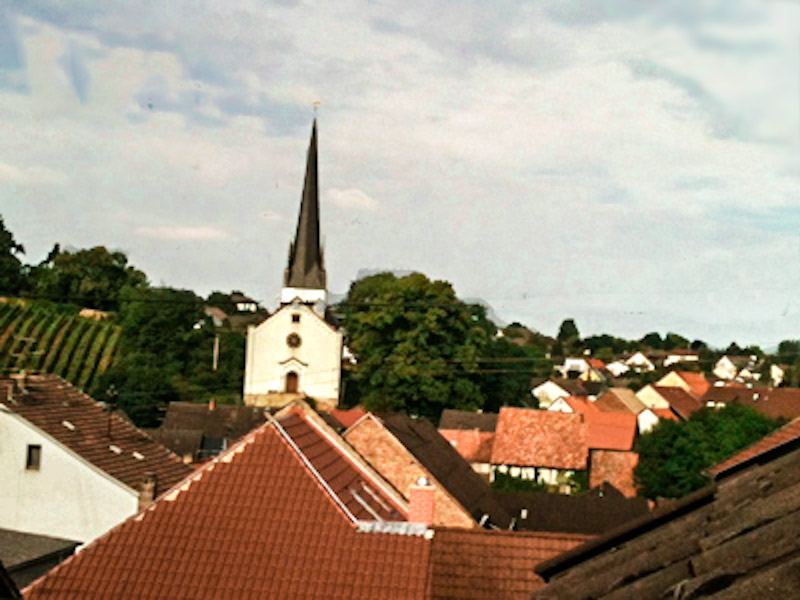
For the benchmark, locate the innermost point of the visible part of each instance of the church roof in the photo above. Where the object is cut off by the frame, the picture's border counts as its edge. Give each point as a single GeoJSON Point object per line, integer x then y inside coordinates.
{"type": "Point", "coordinates": [306, 267]}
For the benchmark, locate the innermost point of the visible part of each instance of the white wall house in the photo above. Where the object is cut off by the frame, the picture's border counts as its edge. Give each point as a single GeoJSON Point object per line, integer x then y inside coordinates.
{"type": "Point", "coordinates": [640, 363]}
{"type": "Point", "coordinates": [295, 351]}
{"type": "Point", "coordinates": [548, 392]}
{"type": "Point", "coordinates": [50, 490]}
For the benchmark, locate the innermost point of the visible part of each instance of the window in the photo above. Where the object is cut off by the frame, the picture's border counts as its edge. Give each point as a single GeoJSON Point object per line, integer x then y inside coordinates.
{"type": "Point", "coordinates": [295, 318]}
{"type": "Point", "coordinates": [291, 382]}
{"type": "Point", "coordinates": [34, 458]}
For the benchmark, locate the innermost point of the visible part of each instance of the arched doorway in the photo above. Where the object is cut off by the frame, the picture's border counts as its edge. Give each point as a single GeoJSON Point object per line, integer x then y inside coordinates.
{"type": "Point", "coordinates": [291, 382]}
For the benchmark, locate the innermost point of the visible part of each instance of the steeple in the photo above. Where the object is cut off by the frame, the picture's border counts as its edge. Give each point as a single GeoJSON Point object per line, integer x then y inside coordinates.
{"type": "Point", "coordinates": [306, 268]}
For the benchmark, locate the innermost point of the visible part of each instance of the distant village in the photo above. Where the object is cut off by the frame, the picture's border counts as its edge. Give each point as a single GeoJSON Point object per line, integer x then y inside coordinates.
{"type": "Point", "coordinates": [296, 463]}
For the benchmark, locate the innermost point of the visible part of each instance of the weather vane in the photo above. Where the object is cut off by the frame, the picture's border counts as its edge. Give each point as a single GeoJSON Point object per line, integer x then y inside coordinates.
{"type": "Point", "coordinates": [315, 104]}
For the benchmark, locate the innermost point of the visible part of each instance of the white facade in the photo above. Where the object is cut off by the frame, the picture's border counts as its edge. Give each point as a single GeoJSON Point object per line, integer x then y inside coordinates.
{"type": "Point", "coordinates": [725, 369]}
{"type": "Point", "coordinates": [640, 363]}
{"type": "Point", "coordinates": [65, 497]}
{"type": "Point", "coordinates": [294, 351]}
{"type": "Point", "coordinates": [646, 420]}
{"type": "Point", "coordinates": [548, 392]}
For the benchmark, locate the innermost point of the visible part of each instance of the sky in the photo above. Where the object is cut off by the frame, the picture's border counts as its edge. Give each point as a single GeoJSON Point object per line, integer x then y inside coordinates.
{"type": "Point", "coordinates": [632, 165]}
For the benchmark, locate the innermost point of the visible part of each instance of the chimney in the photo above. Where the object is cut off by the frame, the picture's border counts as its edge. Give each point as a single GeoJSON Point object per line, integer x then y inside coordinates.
{"type": "Point", "coordinates": [147, 490]}
{"type": "Point", "coordinates": [421, 502]}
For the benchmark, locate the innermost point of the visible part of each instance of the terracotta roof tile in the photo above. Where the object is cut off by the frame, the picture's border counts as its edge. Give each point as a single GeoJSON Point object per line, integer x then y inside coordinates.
{"type": "Point", "coordinates": [610, 430]}
{"type": "Point", "coordinates": [106, 440]}
{"type": "Point", "coordinates": [681, 401]}
{"type": "Point", "coordinates": [254, 522]}
{"type": "Point", "coordinates": [697, 382]}
{"type": "Point", "coordinates": [348, 417]}
{"type": "Point", "coordinates": [784, 435]}
{"type": "Point", "coordinates": [536, 438]}
{"type": "Point", "coordinates": [580, 404]}
{"type": "Point", "coordinates": [479, 564]}
{"type": "Point", "coordinates": [473, 445]}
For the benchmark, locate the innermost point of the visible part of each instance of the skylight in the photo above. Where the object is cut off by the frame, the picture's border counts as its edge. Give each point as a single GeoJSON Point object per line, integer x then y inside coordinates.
{"type": "Point", "coordinates": [68, 425]}
{"type": "Point", "coordinates": [138, 456]}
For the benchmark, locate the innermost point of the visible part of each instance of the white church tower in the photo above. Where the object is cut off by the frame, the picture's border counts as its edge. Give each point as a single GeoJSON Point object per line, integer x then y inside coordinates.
{"type": "Point", "coordinates": [296, 352]}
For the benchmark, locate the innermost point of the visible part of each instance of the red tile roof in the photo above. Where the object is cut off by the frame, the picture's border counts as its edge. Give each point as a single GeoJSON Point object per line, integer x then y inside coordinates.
{"type": "Point", "coordinates": [473, 445]}
{"type": "Point", "coordinates": [596, 363]}
{"type": "Point", "coordinates": [697, 382]}
{"type": "Point", "coordinates": [479, 564]}
{"type": "Point", "coordinates": [610, 430]}
{"type": "Point", "coordinates": [537, 438]}
{"type": "Point", "coordinates": [784, 435]}
{"type": "Point", "coordinates": [665, 413]}
{"type": "Point", "coordinates": [354, 484]}
{"type": "Point", "coordinates": [253, 523]}
{"type": "Point", "coordinates": [348, 417]}
{"type": "Point", "coordinates": [580, 404]}
{"type": "Point", "coordinates": [680, 401]}
{"type": "Point", "coordinates": [106, 440]}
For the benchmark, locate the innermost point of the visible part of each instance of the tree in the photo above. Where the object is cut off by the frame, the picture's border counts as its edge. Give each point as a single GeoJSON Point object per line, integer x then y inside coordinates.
{"type": "Point", "coordinates": [673, 340]}
{"type": "Point", "coordinates": [506, 371]}
{"type": "Point", "coordinates": [91, 278]}
{"type": "Point", "coordinates": [673, 457]}
{"type": "Point", "coordinates": [417, 345]}
{"type": "Point", "coordinates": [568, 336]}
{"type": "Point", "coordinates": [10, 264]}
{"type": "Point", "coordinates": [652, 340]}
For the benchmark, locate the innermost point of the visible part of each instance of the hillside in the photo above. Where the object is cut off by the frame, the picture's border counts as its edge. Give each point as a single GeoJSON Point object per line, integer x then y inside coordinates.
{"type": "Point", "coordinates": [41, 337]}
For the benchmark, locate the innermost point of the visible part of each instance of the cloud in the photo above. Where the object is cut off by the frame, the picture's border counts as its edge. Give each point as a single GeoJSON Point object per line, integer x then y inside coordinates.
{"type": "Point", "coordinates": [351, 199]}
{"type": "Point", "coordinates": [182, 233]}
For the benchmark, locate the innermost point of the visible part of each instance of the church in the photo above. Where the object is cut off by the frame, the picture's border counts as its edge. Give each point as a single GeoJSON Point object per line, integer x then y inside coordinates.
{"type": "Point", "coordinates": [296, 352]}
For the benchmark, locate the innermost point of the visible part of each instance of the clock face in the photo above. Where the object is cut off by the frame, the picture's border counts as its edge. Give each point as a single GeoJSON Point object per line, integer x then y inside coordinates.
{"type": "Point", "coordinates": [293, 340]}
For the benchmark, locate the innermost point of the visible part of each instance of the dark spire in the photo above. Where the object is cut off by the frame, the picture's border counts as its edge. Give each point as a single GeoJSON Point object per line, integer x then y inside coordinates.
{"type": "Point", "coordinates": [306, 266]}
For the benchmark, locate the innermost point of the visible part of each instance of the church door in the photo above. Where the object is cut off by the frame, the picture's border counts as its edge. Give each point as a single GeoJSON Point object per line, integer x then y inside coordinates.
{"type": "Point", "coordinates": [291, 382]}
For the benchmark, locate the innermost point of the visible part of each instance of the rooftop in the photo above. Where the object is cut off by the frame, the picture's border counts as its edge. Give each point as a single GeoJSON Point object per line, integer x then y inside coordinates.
{"type": "Point", "coordinates": [537, 438]}
{"type": "Point", "coordinates": [680, 401]}
{"type": "Point", "coordinates": [465, 419]}
{"type": "Point", "coordinates": [105, 439]}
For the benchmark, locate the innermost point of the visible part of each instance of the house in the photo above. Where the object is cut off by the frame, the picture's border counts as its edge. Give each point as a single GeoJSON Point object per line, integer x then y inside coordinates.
{"type": "Point", "coordinates": [773, 402]}
{"type": "Point", "coordinates": [617, 368]}
{"type": "Point", "coordinates": [551, 390]}
{"type": "Point", "coordinates": [736, 538]}
{"type": "Point", "coordinates": [680, 355]}
{"type": "Point", "coordinates": [27, 556]}
{"type": "Point", "coordinates": [70, 467]}
{"type": "Point", "coordinates": [288, 512]}
{"type": "Point", "coordinates": [694, 383]}
{"type": "Point", "coordinates": [243, 303]}
{"type": "Point", "coordinates": [296, 352]}
{"type": "Point", "coordinates": [472, 436]}
{"type": "Point", "coordinates": [611, 457]}
{"type": "Point", "coordinates": [618, 399]}
{"type": "Point", "coordinates": [405, 449]}
{"type": "Point", "coordinates": [196, 432]}
{"type": "Point", "coordinates": [573, 404]}
{"type": "Point", "coordinates": [584, 368]}
{"type": "Point", "coordinates": [681, 402]}
{"type": "Point", "coordinates": [744, 368]}
{"type": "Point", "coordinates": [541, 446]}
{"type": "Point", "coordinates": [639, 363]}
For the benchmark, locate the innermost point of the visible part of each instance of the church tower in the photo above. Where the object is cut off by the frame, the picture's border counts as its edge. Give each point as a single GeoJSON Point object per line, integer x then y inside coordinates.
{"type": "Point", "coordinates": [305, 278]}
{"type": "Point", "coordinates": [295, 352]}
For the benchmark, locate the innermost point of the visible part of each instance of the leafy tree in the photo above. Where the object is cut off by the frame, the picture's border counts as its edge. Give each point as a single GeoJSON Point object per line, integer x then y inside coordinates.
{"type": "Point", "coordinates": [734, 349]}
{"type": "Point", "coordinates": [698, 346]}
{"type": "Point", "coordinates": [789, 351]}
{"type": "Point", "coordinates": [506, 371]}
{"type": "Point", "coordinates": [568, 332]}
{"type": "Point", "coordinates": [92, 278]}
{"type": "Point", "coordinates": [673, 340]}
{"type": "Point", "coordinates": [418, 346]}
{"type": "Point", "coordinates": [652, 340]}
{"type": "Point", "coordinates": [674, 456]}
{"type": "Point", "coordinates": [10, 265]}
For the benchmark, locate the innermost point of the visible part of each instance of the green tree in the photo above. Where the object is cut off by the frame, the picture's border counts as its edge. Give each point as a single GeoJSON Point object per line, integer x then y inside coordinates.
{"type": "Point", "coordinates": [417, 345]}
{"type": "Point", "coordinates": [91, 278]}
{"type": "Point", "coordinates": [673, 341]}
{"type": "Point", "coordinates": [505, 374]}
{"type": "Point", "coordinates": [673, 457]}
{"type": "Point", "coordinates": [652, 340]}
{"type": "Point", "coordinates": [10, 265]}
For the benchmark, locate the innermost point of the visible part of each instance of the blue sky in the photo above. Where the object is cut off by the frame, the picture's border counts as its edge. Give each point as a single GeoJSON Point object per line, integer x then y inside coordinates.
{"type": "Point", "coordinates": [634, 168]}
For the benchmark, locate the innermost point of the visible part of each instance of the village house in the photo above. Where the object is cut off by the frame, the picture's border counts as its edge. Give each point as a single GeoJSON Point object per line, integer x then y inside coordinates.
{"type": "Point", "coordinates": [680, 355]}
{"type": "Point", "coordinates": [625, 400]}
{"type": "Point", "coordinates": [584, 368]}
{"type": "Point", "coordinates": [550, 390]}
{"type": "Point", "coordinates": [694, 383]}
{"type": "Point", "coordinates": [331, 530]}
{"type": "Point", "coordinates": [406, 450]}
{"type": "Point", "coordinates": [28, 556]}
{"type": "Point", "coordinates": [742, 368]}
{"type": "Point", "coordinates": [772, 402]}
{"type": "Point", "coordinates": [70, 467]}
{"type": "Point", "coordinates": [639, 363]}
{"type": "Point", "coordinates": [472, 436]}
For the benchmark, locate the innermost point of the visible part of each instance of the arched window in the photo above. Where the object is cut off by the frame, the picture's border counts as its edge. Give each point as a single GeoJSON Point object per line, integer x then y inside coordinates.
{"type": "Point", "coordinates": [291, 382]}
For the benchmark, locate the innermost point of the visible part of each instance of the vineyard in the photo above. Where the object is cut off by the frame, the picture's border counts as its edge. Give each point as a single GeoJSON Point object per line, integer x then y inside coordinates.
{"type": "Point", "coordinates": [40, 337]}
